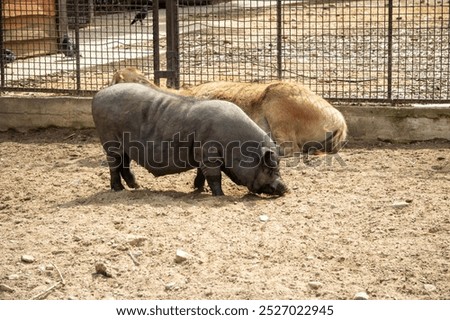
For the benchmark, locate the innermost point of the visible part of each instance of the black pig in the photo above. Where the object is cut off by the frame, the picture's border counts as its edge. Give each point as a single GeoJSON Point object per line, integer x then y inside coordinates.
{"type": "Point", "coordinates": [167, 133]}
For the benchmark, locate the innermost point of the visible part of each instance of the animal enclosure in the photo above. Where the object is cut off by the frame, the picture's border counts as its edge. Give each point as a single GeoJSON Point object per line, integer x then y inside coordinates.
{"type": "Point", "coordinates": [356, 50]}
{"type": "Point", "coordinates": [372, 219]}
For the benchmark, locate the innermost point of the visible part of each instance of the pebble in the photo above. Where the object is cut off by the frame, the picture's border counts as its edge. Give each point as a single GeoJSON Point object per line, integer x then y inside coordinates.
{"type": "Point", "coordinates": [13, 277]}
{"type": "Point", "coordinates": [136, 241]}
{"type": "Point", "coordinates": [181, 256]}
{"type": "Point", "coordinates": [121, 247]}
{"type": "Point", "coordinates": [208, 293]}
{"type": "Point", "coordinates": [27, 258]}
{"type": "Point", "coordinates": [170, 286]}
{"type": "Point", "coordinates": [102, 269]}
{"type": "Point", "coordinates": [137, 253]}
{"type": "Point", "coordinates": [263, 218]}
{"type": "Point", "coordinates": [315, 284]}
{"type": "Point", "coordinates": [361, 296]}
{"type": "Point", "coordinates": [4, 287]}
{"type": "Point", "coordinates": [429, 287]}
{"type": "Point", "coordinates": [400, 204]}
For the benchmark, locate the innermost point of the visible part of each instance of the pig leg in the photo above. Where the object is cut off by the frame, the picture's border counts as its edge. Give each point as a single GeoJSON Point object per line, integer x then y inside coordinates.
{"type": "Point", "coordinates": [215, 183]}
{"type": "Point", "coordinates": [115, 165]}
{"type": "Point", "coordinates": [126, 173]}
{"type": "Point", "coordinates": [199, 181]}
{"type": "Point", "coordinates": [214, 178]}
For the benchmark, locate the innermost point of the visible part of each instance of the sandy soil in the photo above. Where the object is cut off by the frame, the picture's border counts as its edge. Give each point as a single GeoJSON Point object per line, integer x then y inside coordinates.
{"type": "Point", "coordinates": [376, 219]}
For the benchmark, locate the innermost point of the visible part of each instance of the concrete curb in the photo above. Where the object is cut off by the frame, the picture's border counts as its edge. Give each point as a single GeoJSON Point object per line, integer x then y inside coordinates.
{"type": "Point", "coordinates": [27, 113]}
{"type": "Point", "coordinates": [397, 124]}
{"type": "Point", "coordinates": [366, 123]}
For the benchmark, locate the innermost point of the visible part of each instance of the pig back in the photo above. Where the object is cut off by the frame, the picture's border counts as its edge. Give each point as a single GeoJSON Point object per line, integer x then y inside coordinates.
{"type": "Point", "coordinates": [148, 113]}
{"type": "Point", "coordinates": [137, 109]}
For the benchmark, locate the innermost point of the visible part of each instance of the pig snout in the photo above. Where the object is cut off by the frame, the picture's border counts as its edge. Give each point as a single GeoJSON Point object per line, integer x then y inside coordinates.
{"type": "Point", "coordinates": [277, 188]}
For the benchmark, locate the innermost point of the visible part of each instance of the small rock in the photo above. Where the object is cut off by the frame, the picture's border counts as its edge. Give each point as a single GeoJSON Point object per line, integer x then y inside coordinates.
{"type": "Point", "coordinates": [429, 287]}
{"type": "Point", "coordinates": [137, 253]}
{"type": "Point", "coordinates": [181, 256]}
{"type": "Point", "coordinates": [361, 296]}
{"type": "Point", "coordinates": [434, 230]}
{"type": "Point", "coordinates": [315, 284]}
{"type": "Point", "coordinates": [5, 288]}
{"type": "Point", "coordinates": [49, 267]}
{"type": "Point", "coordinates": [263, 218]}
{"type": "Point", "coordinates": [136, 241]}
{"type": "Point", "coordinates": [121, 247]}
{"type": "Point", "coordinates": [72, 298]}
{"type": "Point", "coordinates": [102, 269]}
{"type": "Point", "coordinates": [170, 286]}
{"type": "Point", "coordinates": [209, 293]}
{"type": "Point", "coordinates": [27, 258]}
{"type": "Point", "coordinates": [400, 204]}
{"type": "Point", "coordinates": [13, 277]}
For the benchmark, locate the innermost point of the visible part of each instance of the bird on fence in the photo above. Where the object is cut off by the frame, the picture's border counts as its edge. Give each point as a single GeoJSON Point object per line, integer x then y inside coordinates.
{"type": "Point", "coordinates": [8, 56]}
{"type": "Point", "coordinates": [67, 47]}
{"type": "Point", "coordinates": [141, 15]}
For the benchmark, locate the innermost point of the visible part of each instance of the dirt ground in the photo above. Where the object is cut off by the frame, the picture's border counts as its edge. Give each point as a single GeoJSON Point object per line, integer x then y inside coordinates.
{"type": "Point", "coordinates": [376, 219]}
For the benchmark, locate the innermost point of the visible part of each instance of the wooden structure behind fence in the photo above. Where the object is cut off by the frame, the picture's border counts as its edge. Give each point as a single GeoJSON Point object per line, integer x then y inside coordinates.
{"type": "Point", "coordinates": [29, 27]}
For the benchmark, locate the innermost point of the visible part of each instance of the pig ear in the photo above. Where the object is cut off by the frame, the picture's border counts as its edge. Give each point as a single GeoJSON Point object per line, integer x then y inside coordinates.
{"type": "Point", "coordinates": [270, 158]}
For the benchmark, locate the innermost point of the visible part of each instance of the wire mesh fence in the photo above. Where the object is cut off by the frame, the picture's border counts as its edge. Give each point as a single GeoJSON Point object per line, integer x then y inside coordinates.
{"type": "Point", "coordinates": [72, 46]}
{"type": "Point", "coordinates": [371, 50]}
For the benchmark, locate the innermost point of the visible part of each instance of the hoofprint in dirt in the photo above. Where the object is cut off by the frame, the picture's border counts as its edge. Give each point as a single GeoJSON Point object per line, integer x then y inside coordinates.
{"type": "Point", "coordinates": [374, 219]}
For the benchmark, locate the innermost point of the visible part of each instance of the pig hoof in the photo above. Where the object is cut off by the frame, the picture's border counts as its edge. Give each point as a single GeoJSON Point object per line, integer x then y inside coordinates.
{"type": "Point", "coordinates": [134, 185]}
{"type": "Point", "coordinates": [117, 187]}
{"type": "Point", "coordinates": [199, 190]}
{"type": "Point", "coordinates": [199, 181]}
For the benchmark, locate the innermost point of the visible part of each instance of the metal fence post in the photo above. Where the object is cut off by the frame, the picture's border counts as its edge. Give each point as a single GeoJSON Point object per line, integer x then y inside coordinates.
{"type": "Point", "coordinates": [173, 44]}
{"type": "Point", "coordinates": [390, 37]}
{"type": "Point", "coordinates": [77, 46]}
{"type": "Point", "coordinates": [2, 71]}
{"type": "Point", "coordinates": [156, 59]}
{"type": "Point", "coordinates": [279, 42]}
